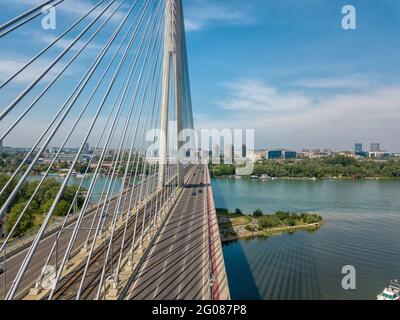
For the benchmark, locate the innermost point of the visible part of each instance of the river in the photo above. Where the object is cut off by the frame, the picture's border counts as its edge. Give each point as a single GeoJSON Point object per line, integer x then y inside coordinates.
{"type": "Point", "coordinates": [99, 188]}
{"type": "Point", "coordinates": [361, 229]}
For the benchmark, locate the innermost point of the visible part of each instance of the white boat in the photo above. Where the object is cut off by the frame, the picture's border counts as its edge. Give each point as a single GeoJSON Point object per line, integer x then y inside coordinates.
{"type": "Point", "coordinates": [392, 292]}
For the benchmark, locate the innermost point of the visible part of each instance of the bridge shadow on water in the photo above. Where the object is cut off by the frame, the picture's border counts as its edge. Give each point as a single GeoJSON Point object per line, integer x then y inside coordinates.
{"type": "Point", "coordinates": [242, 285]}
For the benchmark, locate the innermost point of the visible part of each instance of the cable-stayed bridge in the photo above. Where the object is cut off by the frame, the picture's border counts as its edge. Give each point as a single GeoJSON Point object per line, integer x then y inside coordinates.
{"type": "Point", "coordinates": [128, 218]}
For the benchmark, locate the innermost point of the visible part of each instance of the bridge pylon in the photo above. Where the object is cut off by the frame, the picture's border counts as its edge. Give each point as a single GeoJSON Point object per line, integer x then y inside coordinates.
{"type": "Point", "coordinates": [172, 66]}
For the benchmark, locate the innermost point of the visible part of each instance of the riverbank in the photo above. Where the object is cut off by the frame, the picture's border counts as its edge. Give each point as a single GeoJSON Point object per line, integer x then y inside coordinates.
{"type": "Point", "coordinates": [308, 179]}
{"type": "Point", "coordinates": [335, 167]}
{"type": "Point", "coordinates": [235, 226]}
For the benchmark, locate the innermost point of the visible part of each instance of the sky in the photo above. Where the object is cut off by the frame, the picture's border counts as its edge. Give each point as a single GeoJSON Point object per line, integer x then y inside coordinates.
{"type": "Point", "coordinates": [290, 71]}
{"type": "Point", "coordinates": [284, 68]}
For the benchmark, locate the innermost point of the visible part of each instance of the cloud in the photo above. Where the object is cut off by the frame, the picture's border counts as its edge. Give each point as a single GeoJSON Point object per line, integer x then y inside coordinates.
{"type": "Point", "coordinates": [255, 95]}
{"type": "Point", "coordinates": [351, 82]}
{"type": "Point", "coordinates": [202, 13]}
{"type": "Point", "coordinates": [9, 66]}
{"type": "Point", "coordinates": [63, 43]}
{"type": "Point", "coordinates": [304, 119]}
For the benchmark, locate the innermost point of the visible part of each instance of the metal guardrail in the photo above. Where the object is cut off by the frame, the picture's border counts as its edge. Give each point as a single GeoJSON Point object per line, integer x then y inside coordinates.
{"type": "Point", "coordinates": [213, 277]}
{"type": "Point", "coordinates": [218, 280]}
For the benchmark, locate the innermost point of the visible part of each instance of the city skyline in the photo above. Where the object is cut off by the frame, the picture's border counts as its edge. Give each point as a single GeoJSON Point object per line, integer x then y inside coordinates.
{"type": "Point", "coordinates": [352, 148]}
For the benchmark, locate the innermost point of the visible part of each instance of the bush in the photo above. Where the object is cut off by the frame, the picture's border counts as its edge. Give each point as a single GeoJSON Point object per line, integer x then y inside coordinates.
{"type": "Point", "coordinates": [290, 222]}
{"type": "Point", "coordinates": [268, 222]}
{"type": "Point", "coordinates": [249, 228]}
{"type": "Point", "coordinates": [312, 218]}
{"type": "Point", "coordinates": [282, 215]}
{"type": "Point", "coordinates": [295, 216]}
{"type": "Point", "coordinates": [258, 213]}
{"type": "Point", "coordinates": [238, 212]}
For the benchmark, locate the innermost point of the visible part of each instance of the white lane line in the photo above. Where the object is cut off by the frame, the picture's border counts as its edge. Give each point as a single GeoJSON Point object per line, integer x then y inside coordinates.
{"type": "Point", "coordinates": [159, 282]}
{"type": "Point", "coordinates": [187, 245]}
{"type": "Point", "coordinates": [146, 262]}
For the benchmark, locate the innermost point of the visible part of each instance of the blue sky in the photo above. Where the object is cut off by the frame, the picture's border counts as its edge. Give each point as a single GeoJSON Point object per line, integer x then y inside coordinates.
{"type": "Point", "coordinates": [288, 69]}
{"type": "Point", "coordinates": [284, 68]}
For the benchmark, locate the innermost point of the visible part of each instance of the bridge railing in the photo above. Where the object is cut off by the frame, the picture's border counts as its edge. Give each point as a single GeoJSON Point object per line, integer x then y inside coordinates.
{"type": "Point", "coordinates": [218, 278]}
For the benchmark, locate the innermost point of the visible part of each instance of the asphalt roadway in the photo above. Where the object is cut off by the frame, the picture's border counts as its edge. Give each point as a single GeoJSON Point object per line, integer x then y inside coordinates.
{"type": "Point", "coordinates": [177, 266]}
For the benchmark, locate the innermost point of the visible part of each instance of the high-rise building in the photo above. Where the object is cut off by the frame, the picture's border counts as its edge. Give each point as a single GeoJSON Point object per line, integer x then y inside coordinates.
{"type": "Point", "coordinates": [229, 153]}
{"type": "Point", "coordinates": [244, 151]}
{"type": "Point", "coordinates": [375, 147]}
{"type": "Point", "coordinates": [86, 148]}
{"type": "Point", "coordinates": [358, 147]}
{"type": "Point", "coordinates": [215, 151]}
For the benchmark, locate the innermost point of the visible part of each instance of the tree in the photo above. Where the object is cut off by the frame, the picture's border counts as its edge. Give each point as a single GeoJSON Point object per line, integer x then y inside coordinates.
{"type": "Point", "coordinates": [268, 222]}
{"type": "Point", "coordinates": [64, 165]}
{"type": "Point", "coordinates": [258, 213]}
{"type": "Point", "coordinates": [27, 220]}
{"type": "Point", "coordinates": [238, 211]}
{"type": "Point", "coordinates": [282, 215]}
{"type": "Point", "coordinates": [61, 209]}
{"type": "Point", "coordinates": [312, 218]}
{"type": "Point", "coordinates": [290, 222]}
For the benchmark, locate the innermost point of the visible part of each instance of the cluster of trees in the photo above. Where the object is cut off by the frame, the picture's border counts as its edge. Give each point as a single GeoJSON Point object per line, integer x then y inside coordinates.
{"type": "Point", "coordinates": [219, 170]}
{"type": "Point", "coordinates": [278, 219]}
{"type": "Point", "coordinates": [40, 204]}
{"type": "Point", "coordinates": [338, 166]}
{"type": "Point", "coordinates": [285, 219]}
{"type": "Point", "coordinates": [9, 163]}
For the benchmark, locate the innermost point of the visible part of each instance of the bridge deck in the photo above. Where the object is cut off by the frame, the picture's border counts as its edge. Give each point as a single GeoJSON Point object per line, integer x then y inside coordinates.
{"type": "Point", "coordinates": [45, 246]}
{"type": "Point", "coordinates": [178, 266]}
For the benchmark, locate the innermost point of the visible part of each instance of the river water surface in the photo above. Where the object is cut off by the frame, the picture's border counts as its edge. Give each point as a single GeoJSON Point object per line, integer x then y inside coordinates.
{"type": "Point", "coordinates": [362, 229]}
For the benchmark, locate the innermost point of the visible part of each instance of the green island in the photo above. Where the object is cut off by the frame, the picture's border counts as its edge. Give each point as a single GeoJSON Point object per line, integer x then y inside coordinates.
{"type": "Point", "coordinates": [337, 167]}
{"type": "Point", "coordinates": [237, 225]}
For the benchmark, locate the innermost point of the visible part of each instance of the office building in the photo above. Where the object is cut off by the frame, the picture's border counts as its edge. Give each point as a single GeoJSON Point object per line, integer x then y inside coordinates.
{"type": "Point", "coordinates": [358, 147]}
{"type": "Point", "coordinates": [244, 151]}
{"type": "Point", "coordinates": [274, 154]}
{"type": "Point", "coordinates": [287, 154]}
{"type": "Point", "coordinates": [86, 148]}
{"type": "Point", "coordinates": [375, 147]}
